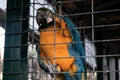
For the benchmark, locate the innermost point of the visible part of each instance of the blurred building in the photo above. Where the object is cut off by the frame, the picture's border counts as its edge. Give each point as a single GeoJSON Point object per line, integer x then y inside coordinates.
{"type": "Point", "coordinates": [2, 31]}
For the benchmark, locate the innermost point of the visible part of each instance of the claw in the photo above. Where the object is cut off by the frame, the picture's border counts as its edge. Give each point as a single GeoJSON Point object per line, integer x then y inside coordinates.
{"type": "Point", "coordinates": [53, 68]}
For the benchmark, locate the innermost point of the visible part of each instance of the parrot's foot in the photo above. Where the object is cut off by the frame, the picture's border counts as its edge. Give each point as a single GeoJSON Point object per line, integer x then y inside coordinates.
{"type": "Point", "coordinates": [53, 68]}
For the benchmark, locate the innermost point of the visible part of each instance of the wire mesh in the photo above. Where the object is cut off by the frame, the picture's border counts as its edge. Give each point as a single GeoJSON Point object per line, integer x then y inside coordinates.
{"type": "Point", "coordinates": [94, 26]}
{"type": "Point", "coordinates": [98, 23]}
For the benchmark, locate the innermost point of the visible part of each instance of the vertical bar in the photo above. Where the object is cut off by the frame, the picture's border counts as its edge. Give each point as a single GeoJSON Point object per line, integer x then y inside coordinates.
{"type": "Point", "coordinates": [54, 46]}
{"type": "Point", "coordinates": [92, 20]}
{"type": "Point", "coordinates": [99, 59]}
{"type": "Point", "coordinates": [119, 67]}
{"type": "Point", "coordinates": [15, 55]}
{"type": "Point", "coordinates": [33, 20]}
{"type": "Point", "coordinates": [112, 68]}
{"type": "Point", "coordinates": [105, 68]}
{"type": "Point", "coordinates": [24, 37]}
{"type": "Point", "coordinates": [92, 8]}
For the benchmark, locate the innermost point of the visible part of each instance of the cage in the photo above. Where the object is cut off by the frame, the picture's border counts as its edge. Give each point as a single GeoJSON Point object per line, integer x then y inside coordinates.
{"type": "Point", "coordinates": [98, 24]}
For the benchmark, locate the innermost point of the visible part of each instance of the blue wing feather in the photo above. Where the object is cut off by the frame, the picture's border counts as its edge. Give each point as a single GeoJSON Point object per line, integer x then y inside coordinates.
{"type": "Point", "coordinates": [76, 49]}
{"type": "Point", "coordinates": [75, 36]}
{"type": "Point", "coordinates": [41, 64]}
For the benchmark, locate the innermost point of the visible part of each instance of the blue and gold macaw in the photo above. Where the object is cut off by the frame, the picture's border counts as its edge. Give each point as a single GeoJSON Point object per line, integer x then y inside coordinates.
{"type": "Point", "coordinates": [60, 48]}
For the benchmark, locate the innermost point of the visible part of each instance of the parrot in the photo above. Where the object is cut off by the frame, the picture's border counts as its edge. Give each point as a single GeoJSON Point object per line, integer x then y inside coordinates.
{"type": "Point", "coordinates": [60, 50]}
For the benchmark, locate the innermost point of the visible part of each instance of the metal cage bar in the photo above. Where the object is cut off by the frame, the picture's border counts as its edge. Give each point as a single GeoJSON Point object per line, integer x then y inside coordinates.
{"type": "Point", "coordinates": [93, 21]}
{"type": "Point", "coordinates": [93, 29]}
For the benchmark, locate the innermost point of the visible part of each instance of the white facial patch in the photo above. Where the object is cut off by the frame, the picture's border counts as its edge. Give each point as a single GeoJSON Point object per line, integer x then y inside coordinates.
{"type": "Point", "coordinates": [49, 20]}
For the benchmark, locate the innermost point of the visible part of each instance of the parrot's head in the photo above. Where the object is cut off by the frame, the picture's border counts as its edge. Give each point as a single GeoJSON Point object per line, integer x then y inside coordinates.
{"type": "Point", "coordinates": [44, 17]}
